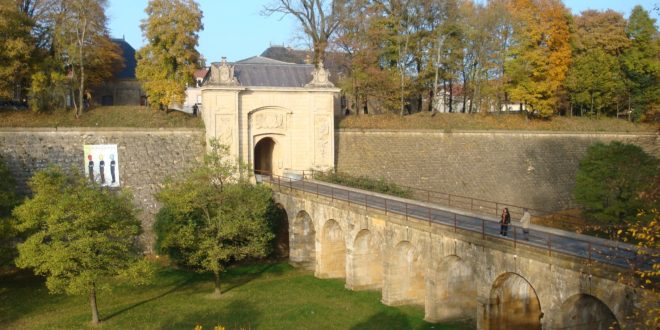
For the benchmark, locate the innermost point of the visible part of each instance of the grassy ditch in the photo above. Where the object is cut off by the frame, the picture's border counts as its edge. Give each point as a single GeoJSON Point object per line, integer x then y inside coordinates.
{"type": "Point", "coordinates": [257, 296]}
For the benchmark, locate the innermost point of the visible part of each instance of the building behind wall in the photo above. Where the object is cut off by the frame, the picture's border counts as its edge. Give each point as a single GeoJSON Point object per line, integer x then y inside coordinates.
{"type": "Point", "coordinates": [123, 88]}
{"type": "Point", "coordinates": [275, 115]}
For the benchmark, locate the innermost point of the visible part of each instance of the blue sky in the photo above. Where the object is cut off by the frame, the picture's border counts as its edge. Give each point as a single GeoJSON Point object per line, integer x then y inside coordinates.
{"type": "Point", "coordinates": [235, 29]}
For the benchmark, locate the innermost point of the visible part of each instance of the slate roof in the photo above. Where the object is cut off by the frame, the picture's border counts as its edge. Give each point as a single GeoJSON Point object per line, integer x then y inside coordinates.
{"type": "Point", "coordinates": [261, 71]}
{"type": "Point", "coordinates": [266, 72]}
{"type": "Point", "coordinates": [128, 72]}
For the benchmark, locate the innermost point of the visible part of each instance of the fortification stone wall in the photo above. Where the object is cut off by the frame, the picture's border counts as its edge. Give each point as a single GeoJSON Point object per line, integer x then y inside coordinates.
{"type": "Point", "coordinates": [146, 157]}
{"type": "Point", "coordinates": [532, 169]}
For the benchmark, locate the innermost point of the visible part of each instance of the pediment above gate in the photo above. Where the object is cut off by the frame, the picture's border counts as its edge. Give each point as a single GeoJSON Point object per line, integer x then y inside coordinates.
{"type": "Point", "coordinates": [269, 119]}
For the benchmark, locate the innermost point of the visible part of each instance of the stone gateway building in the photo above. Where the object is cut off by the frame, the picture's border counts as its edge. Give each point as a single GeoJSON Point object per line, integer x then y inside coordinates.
{"type": "Point", "coordinates": [273, 115]}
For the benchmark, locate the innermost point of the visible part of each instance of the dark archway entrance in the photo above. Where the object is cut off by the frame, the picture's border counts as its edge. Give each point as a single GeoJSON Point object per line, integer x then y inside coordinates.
{"type": "Point", "coordinates": [280, 223]}
{"type": "Point", "coordinates": [263, 156]}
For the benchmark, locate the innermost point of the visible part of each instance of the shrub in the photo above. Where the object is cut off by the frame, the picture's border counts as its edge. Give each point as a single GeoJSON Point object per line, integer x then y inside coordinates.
{"type": "Point", "coordinates": [361, 182]}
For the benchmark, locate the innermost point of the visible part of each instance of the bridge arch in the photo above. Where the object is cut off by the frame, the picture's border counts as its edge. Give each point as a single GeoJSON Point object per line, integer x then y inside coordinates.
{"type": "Point", "coordinates": [514, 304]}
{"type": "Point", "coordinates": [367, 262]}
{"type": "Point", "coordinates": [332, 262]}
{"type": "Point", "coordinates": [585, 312]}
{"type": "Point", "coordinates": [451, 291]}
{"type": "Point", "coordinates": [303, 241]}
{"type": "Point", "coordinates": [281, 228]}
{"type": "Point", "coordinates": [406, 276]}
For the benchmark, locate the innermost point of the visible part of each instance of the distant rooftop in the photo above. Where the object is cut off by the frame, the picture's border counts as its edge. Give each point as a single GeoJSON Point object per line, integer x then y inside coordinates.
{"type": "Point", "coordinates": [128, 53]}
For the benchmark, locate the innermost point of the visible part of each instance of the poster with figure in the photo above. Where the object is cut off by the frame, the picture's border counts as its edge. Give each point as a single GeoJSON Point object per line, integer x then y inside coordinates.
{"type": "Point", "coordinates": [102, 164]}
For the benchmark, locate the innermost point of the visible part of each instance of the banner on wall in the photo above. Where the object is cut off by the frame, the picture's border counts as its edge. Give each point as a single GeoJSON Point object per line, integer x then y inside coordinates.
{"type": "Point", "coordinates": [102, 164]}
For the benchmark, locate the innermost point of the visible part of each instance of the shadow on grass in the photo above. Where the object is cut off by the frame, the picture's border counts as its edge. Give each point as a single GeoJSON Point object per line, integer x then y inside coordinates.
{"type": "Point", "coordinates": [244, 274]}
{"type": "Point", "coordinates": [170, 291]}
{"type": "Point", "coordinates": [239, 314]}
{"type": "Point", "coordinates": [384, 320]}
{"type": "Point", "coordinates": [395, 319]}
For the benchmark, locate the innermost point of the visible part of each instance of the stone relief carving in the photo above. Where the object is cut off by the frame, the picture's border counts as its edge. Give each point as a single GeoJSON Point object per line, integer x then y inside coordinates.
{"type": "Point", "coordinates": [320, 77]}
{"type": "Point", "coordinates": [224, 131]}
{"type": "Point", "coordinates": [223, 74]}
{"type": "Point", "coordinates": [322, 138]}
{"type": "Point", "coordinates": [268, 120]}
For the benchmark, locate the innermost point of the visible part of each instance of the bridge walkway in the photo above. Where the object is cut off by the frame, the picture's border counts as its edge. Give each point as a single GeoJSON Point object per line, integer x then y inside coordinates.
{"type": "Point", "coordinates": [551, 239]}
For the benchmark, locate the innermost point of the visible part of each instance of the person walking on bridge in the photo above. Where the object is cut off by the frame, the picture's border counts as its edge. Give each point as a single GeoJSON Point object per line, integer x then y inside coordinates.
{"type": "Point", "coordinates": [525, 221]}
{"type": "Point", "coordinates": [504, 221]}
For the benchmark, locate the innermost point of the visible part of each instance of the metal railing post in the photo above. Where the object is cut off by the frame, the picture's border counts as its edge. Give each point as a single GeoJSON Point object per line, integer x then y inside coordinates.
{"type": "Point", "coordinates": [385, 199]}
{"type": "Point", "coordinates": [428, 196]}
{"type": "Point", "coordinates": [406, 211]}
{"type": "Point", "coordinates": [365, 201]}
{"type": "Point", "coordinates": [455, 222]}
{"type": "Point", "coordinates": [589, 247]}
{"type": "Point", "coordinates": [497, 209]}
{"type": "Point", "coordinates": [549, 244]}
{"type": "Point", "coordinates": [514, 236]}
{"type": "Point", "coordinates": [483, 229]}
{"type": "Point", "coordinates": [317, 190]}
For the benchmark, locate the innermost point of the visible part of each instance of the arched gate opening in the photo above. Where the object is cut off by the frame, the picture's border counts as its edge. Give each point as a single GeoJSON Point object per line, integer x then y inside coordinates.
{"type": "Point", "coordinates": [263, 156]}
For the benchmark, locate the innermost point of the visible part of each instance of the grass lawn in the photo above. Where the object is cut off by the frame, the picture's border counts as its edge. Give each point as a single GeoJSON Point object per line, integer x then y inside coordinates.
{"type": "Point", "coordinates": [260, 296]}
{"type": "Point", "coordinates": [481, 121]}
{"type": "Point", "coordinates": [113, 116]}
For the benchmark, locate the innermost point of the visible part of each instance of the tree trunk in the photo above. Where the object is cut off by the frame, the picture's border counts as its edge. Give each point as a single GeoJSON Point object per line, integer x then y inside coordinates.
{"type": "Point", "coordinates": [81, 92]}
{"type": "Point", "coordinates": [451, 95]}
{"type": "Point", "coordinates": [216, 291]}
{"type": "Point", "coordinates": [92, 303]}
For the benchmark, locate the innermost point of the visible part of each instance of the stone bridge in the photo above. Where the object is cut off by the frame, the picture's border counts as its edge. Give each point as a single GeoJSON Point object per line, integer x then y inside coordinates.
{"type": "Point", "coordinates": [435, 258]}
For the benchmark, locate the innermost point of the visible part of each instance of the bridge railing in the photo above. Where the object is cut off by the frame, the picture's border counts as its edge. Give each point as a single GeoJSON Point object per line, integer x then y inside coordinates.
{"type": "Point", "coordinates": [610, 252]}
{"type": "Point", "coordinates": [487, 207]}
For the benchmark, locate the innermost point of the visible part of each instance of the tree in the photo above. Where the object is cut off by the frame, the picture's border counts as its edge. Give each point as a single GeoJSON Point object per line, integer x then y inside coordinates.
{"type": "Point", "coordinates": [8, 199]}
{"type": "Point", "coordinates": [15, 49]}
{"type": "Point", "coordinates": [78, 235]}
{"type": "Point", "coordinates": [81, 39]}
{"type": "Point", "coordinates": [612, 183]}
{"type": "Point", "coordinates": [165, 66]}
{"type": "Point", "coordinates": [641, 63]}
{"type": "Point", "coordinates": [595, 80]}
{"type": "Point", "coordinates": [214, 216]}
{"type": "Point", "coordinates": [319, 19]}
{"type": "Point", "coordinates": [540, 55]}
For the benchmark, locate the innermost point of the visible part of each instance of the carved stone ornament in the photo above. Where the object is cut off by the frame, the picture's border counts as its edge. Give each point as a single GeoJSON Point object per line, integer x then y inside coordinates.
{"type": "Point", "coordinates": [268, 120]}
{"type": "Point", "coordinates": [321, 76]}
{"type": "Point", "coordinates": [223, 74]}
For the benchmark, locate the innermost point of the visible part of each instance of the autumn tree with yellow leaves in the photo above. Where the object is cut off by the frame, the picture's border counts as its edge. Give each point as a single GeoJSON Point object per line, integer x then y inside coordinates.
{"type": "Point", "coordinates": [167, 63]}
{"type": "Point", "coordinates": [540, 54]}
